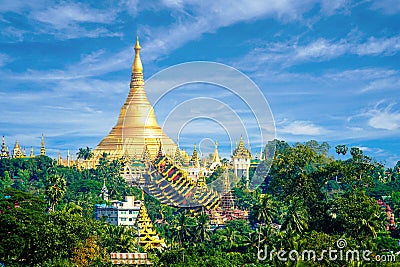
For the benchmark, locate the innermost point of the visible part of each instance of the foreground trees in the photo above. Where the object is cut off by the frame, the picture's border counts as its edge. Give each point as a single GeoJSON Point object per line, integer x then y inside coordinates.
{"type": "Point", "coordinates": [309, 200]}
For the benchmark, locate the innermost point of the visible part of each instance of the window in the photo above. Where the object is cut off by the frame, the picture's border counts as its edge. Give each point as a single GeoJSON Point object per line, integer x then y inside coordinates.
{"type": "Point", "coordinates": [130, 219]}
{"type": "Point", "coordinates": [123, 219]}
{"type": "Point", "coordinates": [123, 212]}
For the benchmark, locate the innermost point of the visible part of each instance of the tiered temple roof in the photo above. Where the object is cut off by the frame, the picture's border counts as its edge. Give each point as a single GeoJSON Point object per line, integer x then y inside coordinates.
{"type": "Point", "coordinates": [148, 236]}
{"type": "Point", "coordinates": [241, 151]}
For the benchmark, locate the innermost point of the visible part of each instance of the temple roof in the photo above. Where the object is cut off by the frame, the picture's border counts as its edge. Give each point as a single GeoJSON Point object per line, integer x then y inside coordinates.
{"type": "Point", "coordinates": [241, 151]}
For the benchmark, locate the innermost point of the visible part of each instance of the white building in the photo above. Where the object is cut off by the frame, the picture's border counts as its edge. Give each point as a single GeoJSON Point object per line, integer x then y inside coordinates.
{"type": "Point", "coordinates": [119, 212]}
{"type": "Point", "coordinates": [241, 160]}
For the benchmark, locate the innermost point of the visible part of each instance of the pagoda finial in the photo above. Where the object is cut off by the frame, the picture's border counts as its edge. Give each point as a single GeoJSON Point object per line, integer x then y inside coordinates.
{"type": "Point", "coordinates": [146, 153]}
{"type": "Point", "coordinates": [137, 63]}
{"type": "Point", "coordinates": [160, 150]}
{"type": "Point", "coordinates": [32, 155]}
{"type": "Point", "coordinates": [216, 158]}
{"type": "Point", "coordinates": [42, 149]}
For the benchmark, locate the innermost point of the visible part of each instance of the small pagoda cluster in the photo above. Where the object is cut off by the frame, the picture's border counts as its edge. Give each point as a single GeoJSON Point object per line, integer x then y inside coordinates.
{"type": "Point", "coordinates": [19, 152]}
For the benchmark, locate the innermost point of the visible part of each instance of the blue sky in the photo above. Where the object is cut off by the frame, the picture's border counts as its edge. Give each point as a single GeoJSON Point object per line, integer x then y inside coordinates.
{"type": "Point", "coordinates": [329, 69]}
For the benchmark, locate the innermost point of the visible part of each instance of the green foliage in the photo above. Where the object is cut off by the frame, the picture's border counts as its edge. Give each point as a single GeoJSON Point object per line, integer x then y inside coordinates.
{"type": "Point", "coordinates": [315, 200]}
{"type": "Point", "coordinates": [357, 215]}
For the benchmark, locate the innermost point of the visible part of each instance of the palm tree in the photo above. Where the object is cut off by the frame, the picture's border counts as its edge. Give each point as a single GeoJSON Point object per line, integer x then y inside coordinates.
{"type": "Point", "coordinates": [85, 154]}
{"type": "Point", "coordinates": [182, 228]}
{"type": "Point", "coordinates": [73, 209]}
{"type": "Point", "coordinates": [341, 149]}
{"type": "Point", "coordinates": [265, 209]}
{"type": "Point", "coordinates": [230, 237]}
{"type": "Point", "coordinates": [201, 228]}
{"type": "Point", "coordinates": [55, 190]}
{"type": "Point", "coordinates": [118, 238]}
{"type": "Point", "coordinates": [296, 217]}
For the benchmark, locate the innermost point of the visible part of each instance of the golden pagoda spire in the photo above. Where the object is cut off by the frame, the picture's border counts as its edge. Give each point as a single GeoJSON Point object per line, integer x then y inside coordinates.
{"type": "Point", "coordinates": [160, 150]}
{"type": "Point", "coordinates": [136, 124]}
{"type": "Point", "coordinates": [178, 157]}
{"type": "Point", "coordinates": [43, 149]}
{"type": "Point", "coordinates": [59, 159]}
{"type": "Point", "coordinates": [146, 154]}
{"type": "Point", "coordinates": [137, 66]}
{"type": "Point", "coordinates": [32, 155]}
{"type": "Point", "coordinates": [216, 158]}
{"type": "Point", "coordinates": [17, 151]}
{"type": "Point", "coordinates": [195, 158]}
{"type": "Point", "coordinates": [148, 236]}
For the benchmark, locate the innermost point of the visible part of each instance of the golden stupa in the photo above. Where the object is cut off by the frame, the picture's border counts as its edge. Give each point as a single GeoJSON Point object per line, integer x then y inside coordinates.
{"type": "Point", "coordinates": [136, 126]}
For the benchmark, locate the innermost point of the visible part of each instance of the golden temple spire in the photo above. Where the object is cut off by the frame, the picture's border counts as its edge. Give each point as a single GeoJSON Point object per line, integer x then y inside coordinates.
{"type": "Point", "coordinates": [59, 159]}
{"type": "Point", "coordinates": [148, 236]}
{"type": "Point", "coordinates": [32, 155]}
{"type": "Point", "coordinates": [137, 66]}
{"type": "Point", "coordinates": [195, 158]}
{"type": "Point", "coordinates": [216, 156]}
{"type": "Point", "coordinates": [17, 151]}
{"type": "Point", "coordinates": [136, 124]}
{"type": "Point", "coordinates": [43, 149]}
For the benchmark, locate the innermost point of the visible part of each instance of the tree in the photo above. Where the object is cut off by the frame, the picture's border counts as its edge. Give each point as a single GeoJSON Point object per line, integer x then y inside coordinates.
{"type": "Point", "coordinates": [341, 149]}
{"type": "Point", "coordinates": [357, 215]}
{"type": "Point", "coordinates": [6, 182]}
{"type": "Point", "coordinates": [265, 209]}
{"type": "Point", "coordinates": [85, 154]}
{"type": "Point", "coordinates": [55, 189]}
{"type": "Point", "coordinates": [201, 233]}
{"type": "Point", "coordinates": [87, 252]}
{"type": "Point", "coordinates": [182, 228]}
{"type": "Point", "coordinates": [230, 237]}
{"type": "Point", "coordinates": [296, 217]}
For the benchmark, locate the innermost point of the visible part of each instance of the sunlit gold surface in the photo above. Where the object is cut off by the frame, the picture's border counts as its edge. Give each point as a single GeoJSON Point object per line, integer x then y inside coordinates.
{"type": "Point", "coordinates": [136, 125]}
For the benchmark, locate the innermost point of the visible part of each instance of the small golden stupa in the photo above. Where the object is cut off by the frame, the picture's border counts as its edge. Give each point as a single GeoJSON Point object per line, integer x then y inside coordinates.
{"type": "Point", "coordinates": [136, 127]}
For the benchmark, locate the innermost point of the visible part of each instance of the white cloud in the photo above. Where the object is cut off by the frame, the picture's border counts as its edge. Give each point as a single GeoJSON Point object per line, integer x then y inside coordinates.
{"type": "Point", "coordinates": [383, 84]}
{"type": "Point", "coordinates": [62, 20]}
{"type": "Point", "coordinates": [319, 50]}
{"type": "Point", "coordinates": [386, 6]}
{"type": "Point", "coordinates": [291, 53]}
{"type": "Point", "coordinates": [384, 118]}
{"type": "Point", "coordinates": [64, 15]}
{"type": "Point", "coordinates": [300, 128]}
{"type": "Point", "coordinates": [377, 46]}
{"type": "Point", "coordinates": [4, 59]}
{"type": "Point", "coordinates": [198, 17]}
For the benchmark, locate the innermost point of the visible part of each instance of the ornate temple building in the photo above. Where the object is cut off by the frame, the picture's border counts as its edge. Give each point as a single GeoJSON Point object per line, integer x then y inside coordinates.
{"type": "Point", "coordinates": [241, 160]}
{"type": "Point", "coordinates": [136, 126]}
